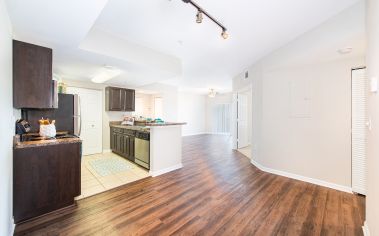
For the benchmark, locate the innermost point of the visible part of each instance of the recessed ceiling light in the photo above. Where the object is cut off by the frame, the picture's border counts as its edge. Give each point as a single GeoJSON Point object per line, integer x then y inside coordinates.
{"type": "Point", "coordinates": [106, 73]}
{"type": "Point", "coordinates": [345, 50]}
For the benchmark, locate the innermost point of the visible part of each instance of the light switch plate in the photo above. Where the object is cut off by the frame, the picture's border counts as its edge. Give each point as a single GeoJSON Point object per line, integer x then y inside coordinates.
{"type": "Point", "coordinates": [374, 84]}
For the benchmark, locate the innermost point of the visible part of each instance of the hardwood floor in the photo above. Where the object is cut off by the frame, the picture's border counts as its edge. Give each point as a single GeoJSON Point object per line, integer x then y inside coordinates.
{"type": "Point", "coordinates": [217, 192]}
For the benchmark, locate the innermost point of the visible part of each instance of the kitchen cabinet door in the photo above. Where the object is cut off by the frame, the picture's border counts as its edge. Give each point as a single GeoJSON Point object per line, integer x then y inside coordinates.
{"type": "Point", "coordinates": [119, 99]}
{"type": "Point", "coordinates": [125, 150]}
{"type": "Point", "coordinates": [114, 99]}
{"type": "Point", "coordinates": [113, 140]}
{"type": "Point", "coordinates": [131, 149]}
{"type": "Point", "coordinates": [33, 86]}
{"type": "Point", "coordinates": [119, 142]}
{"type": "Point", "coordinates": [122, 144]}
{"type": "Point", "coordinates": [129, 99]}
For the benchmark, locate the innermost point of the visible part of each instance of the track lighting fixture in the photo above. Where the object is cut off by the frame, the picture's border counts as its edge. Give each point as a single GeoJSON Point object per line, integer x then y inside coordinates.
{"type": "Point", "coordinates": [224, 34]}
{"type": "Point", "coordinates": [199, 17]}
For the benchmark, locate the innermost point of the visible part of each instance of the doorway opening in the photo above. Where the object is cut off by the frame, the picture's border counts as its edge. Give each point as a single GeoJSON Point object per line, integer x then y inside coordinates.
{"type": "Point", "coordinates": [243, 116]}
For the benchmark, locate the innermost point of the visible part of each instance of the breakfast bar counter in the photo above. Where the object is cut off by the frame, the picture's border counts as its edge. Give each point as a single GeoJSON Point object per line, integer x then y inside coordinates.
{"type": "Point", "coordinates": [165, 145]}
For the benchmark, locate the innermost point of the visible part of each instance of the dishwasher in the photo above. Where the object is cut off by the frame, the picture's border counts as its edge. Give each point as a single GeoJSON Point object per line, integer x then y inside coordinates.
{"type": "Point", "coordinates": [142, 149]}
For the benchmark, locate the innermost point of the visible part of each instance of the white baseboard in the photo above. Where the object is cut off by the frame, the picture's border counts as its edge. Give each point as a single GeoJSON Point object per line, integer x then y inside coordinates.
{"type": "Point", "coordinates": [366, 231]}
{"type": "Point", "coordinates": [227, 134]}
{"type": "Point", "coordinates": [13, 227]}
{"type": "Point", "coordinates": [166, 170]}
{"type": "Point", "coordinates": [303, 178]}
{"type": "Point", "coordinates": [200, 133]}
{"type": "Point", "coordinates": [107, 150]}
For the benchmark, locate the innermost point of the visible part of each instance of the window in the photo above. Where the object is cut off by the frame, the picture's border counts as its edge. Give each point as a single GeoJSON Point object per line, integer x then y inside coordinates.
{"type": "Point", "coordinates": [139, 107]}
{"type": "Point", "coordinates": [158, 107]}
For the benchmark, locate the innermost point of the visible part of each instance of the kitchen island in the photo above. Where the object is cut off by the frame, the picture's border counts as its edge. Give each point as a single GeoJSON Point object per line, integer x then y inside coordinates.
{"type": "Point", "coordinates": [165, 147]}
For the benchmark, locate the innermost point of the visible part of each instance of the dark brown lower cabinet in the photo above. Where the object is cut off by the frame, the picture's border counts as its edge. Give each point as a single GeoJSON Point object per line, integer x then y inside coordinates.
{"type": "Point", "coordinates": [45, 179]}
{"type": "Point", "coordinates": [122, 142]}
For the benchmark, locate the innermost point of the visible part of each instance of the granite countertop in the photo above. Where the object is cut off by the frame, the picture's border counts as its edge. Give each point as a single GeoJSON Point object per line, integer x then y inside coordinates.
{"type": "Point", "coordinates": [38, 143]}
{"type": "Point", "coordinates": [132, 127]}
{"type": "Point", "coordinates": [166, 124]}
{"type": "Point", "coordinates": [118, 124]}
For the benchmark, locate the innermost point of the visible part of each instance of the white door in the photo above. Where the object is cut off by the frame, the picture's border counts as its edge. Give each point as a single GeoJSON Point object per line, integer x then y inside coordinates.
{"type": "Point", "coordinates": [242, 121]}
{"type": "Point", "coordinates": [358, 132]}
{"type": "Point", "coordinates": [91, 119]}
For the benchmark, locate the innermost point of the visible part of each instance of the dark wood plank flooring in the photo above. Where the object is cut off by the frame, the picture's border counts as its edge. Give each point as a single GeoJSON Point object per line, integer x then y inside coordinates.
{"type": "Point", "coordinates": [217, 192]}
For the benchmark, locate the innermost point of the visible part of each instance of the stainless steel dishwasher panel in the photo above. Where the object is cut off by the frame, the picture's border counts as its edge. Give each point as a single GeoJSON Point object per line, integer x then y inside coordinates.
{"type": "Point", "coordinates": [142, 152]}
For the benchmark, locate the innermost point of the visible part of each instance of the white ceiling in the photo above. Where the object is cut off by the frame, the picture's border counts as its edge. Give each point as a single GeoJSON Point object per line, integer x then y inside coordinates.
{"type": "Point", "coordinates": [190, 55]}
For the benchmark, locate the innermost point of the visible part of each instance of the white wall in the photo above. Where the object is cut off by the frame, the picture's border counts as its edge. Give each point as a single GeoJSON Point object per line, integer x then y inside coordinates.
{"type": "Point", "coordinates": [192, 111]}
{"type": "Point", "coordinates": [169, 94]}
{"type": "Point", "coordinates": [316, 144]}
{"type": "Point", "coordinates": [146, 105]}
{"type": "Point", "coordinates": [372, 200]}
{"type": "Point", "coordinates": [6, 123]}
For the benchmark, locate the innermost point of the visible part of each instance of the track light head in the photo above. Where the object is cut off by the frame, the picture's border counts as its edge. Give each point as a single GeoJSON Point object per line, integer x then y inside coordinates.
{"type": "Point", "coordinates": [224, 34]}
{"type": "Point", "coordinates": [199, 17]}
{"type": "Point", "coordinates": [201, 12]}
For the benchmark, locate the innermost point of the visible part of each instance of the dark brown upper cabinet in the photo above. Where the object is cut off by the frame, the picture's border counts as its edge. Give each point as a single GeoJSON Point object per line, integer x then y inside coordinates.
{"type": "Point", "coordinates": [119, 99]}
{"type": "Point", "coordinates": [33, 86]}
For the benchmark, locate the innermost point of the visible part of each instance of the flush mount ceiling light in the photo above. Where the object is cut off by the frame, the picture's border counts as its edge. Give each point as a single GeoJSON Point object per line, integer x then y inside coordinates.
{"type": "Point", "coordinates": [212, 93]}
{"type": "Point", "coordinates": [199, 18]}
{"type": "Point", "coordinates": [345, 50]}
{"type": "Point", "coordinates": [106, 73]}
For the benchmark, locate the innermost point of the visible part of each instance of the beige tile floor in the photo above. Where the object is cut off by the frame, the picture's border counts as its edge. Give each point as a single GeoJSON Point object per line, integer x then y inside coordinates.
{"type": "Point", "coordinates": [93, 183]}
{"type": "Point", "coordinates": [246, 151]}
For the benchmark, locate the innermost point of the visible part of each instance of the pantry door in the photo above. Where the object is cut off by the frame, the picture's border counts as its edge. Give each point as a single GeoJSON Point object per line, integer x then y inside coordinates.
{"type": "Point", "coordinates": [90, 103]}
{"type": "Point", "coordinates": [359, 131]}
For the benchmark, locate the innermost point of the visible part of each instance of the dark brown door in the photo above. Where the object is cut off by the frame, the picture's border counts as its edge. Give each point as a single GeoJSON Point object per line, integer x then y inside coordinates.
{"type": "Point", "coordinates": [116, 99]}
{"type": "Point", "coordinates": [113, 140]}
{"type": "Point", "coordinates": [32, 76]}
{"type": "Point", "coordinates": [126, 146]}
{"type": "Point", "coordinates": [131, 149]}
{"type": "Point", "coordinates": [129, 100]}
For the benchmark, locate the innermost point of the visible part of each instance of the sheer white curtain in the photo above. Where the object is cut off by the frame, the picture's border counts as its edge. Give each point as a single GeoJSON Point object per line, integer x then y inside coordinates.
{"type": "Point", "coordinates": [222, 118]}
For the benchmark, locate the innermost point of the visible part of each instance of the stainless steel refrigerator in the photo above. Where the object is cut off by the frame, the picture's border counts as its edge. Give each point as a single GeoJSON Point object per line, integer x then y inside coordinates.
{"type": "Point", "coordinates": [66, 116]}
